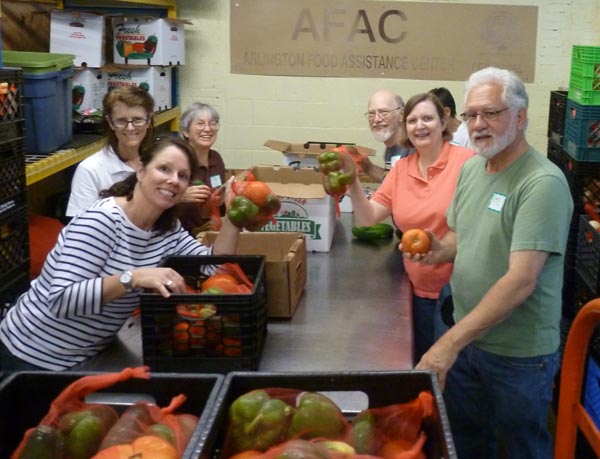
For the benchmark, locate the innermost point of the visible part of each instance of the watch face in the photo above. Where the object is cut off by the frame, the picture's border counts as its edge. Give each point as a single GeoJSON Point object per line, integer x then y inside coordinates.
{"type": "Point", "coordinates": [125, 279]}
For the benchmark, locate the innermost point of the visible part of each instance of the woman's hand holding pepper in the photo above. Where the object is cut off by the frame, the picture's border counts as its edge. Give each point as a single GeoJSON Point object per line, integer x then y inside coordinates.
{"type": "Point", "coordinates": [197, 193]}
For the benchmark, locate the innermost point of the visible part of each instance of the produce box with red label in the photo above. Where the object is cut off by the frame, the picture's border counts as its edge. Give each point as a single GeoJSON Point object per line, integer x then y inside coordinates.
{"type": "Point", "coordinates": [149, 40]}
{"type": "Point", "coordinates": [78, 33]}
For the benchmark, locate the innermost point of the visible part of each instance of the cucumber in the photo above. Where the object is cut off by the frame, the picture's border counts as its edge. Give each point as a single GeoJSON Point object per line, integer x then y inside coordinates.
{"type": "Point", "coordinates": [373, 232]}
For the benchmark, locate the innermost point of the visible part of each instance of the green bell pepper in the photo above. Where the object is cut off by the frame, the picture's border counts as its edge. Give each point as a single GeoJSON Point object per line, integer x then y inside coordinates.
{"type": "Point", "coordinates": [337, 173]}
{"type": "Point", "coordinates": [242, 211]}
{"type": "Point", "coordinates": [316, 416]}
{"type": "Point", "coordinates": [258, 421]}
{"type": "Point", "coordinates": [329, 161]}
{"type": "Point", "coordinates": [362, 435]}
{"type": "Point", "coordinates": [302, 449]}
{"type": "Point", "coordinates": [373, 232]}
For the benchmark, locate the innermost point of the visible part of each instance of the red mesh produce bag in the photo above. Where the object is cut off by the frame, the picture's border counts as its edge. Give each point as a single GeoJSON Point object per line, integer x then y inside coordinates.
{"type": "Point", "coordinates": [252, 204]}
{"type": "Point", "coordinates": [67, 411]}
{"type": "Point", "coordinates": [144, 418]}
{"type": "Point", "coordinates": [269, 423]}
{"type": "Point", "coordinates": [263, 418]}
{"type": "Point", "coordinates": [389, 430]}
{"type": "Point", "coordinates": [229, 278]}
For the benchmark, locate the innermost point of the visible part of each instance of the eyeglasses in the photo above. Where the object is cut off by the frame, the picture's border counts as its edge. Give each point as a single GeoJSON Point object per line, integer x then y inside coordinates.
{"type": "Point", "coordinates": [487, 115]}
{"type": "Point", "coordinates": [203, 125]}
{"type": "Point", "coordinates": [122, 123]}
{"type": "Point", "coordinates": [384, 113]}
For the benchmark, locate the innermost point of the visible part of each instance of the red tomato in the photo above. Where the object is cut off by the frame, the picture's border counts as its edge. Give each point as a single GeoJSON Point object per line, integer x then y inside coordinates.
{"type": "Point", "coordinates": [415, 241]}
{"type": "Point", "coordinates": [257, 192]}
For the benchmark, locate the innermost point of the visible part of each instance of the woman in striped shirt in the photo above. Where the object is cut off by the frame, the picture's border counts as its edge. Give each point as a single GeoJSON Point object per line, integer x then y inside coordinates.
{"type": "Point", "coordinates": [90, 283]}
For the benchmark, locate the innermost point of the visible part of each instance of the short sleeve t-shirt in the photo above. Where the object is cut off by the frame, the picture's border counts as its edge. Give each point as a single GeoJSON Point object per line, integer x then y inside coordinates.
{"type": "Point", "coordinates": [418, 202]}
{"type": "Point", "coordinates": [527, 206]}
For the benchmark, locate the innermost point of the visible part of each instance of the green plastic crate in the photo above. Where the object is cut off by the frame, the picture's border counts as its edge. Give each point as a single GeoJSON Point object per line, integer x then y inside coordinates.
{"type": "Point", "coordinates": [584, 82]}
{"type": "Point", "coordinates": [586, 53]}
{"type": "Point", "coordinates": [34, 63]}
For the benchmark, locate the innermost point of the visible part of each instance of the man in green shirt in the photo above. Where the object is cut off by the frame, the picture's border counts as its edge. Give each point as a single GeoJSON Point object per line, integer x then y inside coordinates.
{"type": "Point", "coordinates": [510, 220]}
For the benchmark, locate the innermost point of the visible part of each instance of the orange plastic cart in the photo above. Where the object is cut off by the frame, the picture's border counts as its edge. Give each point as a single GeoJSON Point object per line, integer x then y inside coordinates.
{"type": "Point", "coordinates": [571, 413]}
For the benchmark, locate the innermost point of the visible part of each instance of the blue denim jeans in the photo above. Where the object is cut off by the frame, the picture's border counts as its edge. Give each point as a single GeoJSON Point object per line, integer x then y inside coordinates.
{"type": "Point", "coordinates": [423, 333]}
{"type": "Point", "coordinates": [493, 399]}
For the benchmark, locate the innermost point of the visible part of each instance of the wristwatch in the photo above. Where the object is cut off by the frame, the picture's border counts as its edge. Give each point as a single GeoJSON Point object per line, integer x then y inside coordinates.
{"type": "Point", "coordinates": [126, 279]}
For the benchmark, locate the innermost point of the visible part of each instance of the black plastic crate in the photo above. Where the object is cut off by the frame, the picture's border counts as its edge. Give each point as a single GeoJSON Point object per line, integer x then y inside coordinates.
{"type": "Point", "coordinates": [25, 398]}
{"type": "Point", "coordinates": [13, 181]}
{"type": "Point", "coordinates": [12, 288]}
{"type": "Point", "coordinates": [556, 115]}
{"type": "Point", "coordinates": [12, 135]}
{"type": "Point", "coordinates": [583, 177]}
{"type": "Point", "coordinates": [588, 254]}
{"type": "Point", "coordinates": [571, 250]}
{"type": "Point", "coordinates": [14, 244]}
{"type": "Point", "coordinates": [570, 291]}
{"type": "Point", "coordinates": [352, 391]}
{"type": "Point", "coordinates": [11, 97]}
{"type": "Point", "coordinates": [231, 339]}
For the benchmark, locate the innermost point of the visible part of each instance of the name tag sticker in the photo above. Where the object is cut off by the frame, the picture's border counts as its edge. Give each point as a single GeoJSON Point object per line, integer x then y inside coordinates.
{"type": "Point", "coordinates": [497, 202]}
{"type": "Point", "coordinates": [215, 181]}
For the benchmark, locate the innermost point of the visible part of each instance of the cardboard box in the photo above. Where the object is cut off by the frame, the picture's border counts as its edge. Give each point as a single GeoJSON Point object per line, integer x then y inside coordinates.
{"type": "Point", "coordinates": [148, 40]}
{"type": "Point", "coordinates": [81, 34]}
{"type": "Point", "coordinates": [305, 207]}
{"type": "Point", "coordinates": [305, 154]}
{"type": "Point", "coordinates": [89, 88]}
{"type": "Point", "coordinates": [285, 263]}
{"type": "Point", "coordinates": [156, 80]}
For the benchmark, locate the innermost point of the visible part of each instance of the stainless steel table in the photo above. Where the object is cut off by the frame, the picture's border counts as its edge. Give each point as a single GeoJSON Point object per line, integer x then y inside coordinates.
{"type": "Point", "coordinates": [354, 315]}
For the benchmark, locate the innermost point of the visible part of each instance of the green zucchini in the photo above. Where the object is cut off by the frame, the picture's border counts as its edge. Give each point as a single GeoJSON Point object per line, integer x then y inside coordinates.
{"type": "Point", "coordinates": [373, 232]}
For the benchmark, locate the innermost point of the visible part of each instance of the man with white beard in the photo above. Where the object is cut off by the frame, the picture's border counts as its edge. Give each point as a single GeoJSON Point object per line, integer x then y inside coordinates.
{"type": "Point", "coordinates": [384, 113]}
{"type": "Point", "coordinates": [509, 222]}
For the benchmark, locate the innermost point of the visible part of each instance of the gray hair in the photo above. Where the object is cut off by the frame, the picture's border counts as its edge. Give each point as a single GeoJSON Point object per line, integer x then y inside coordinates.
{"type": "Point", "coordinates": [514, 93]}
{"type": "Point", "coordinates": [398, 100]}
{"type": "Point", "coordinates": [194, 111]}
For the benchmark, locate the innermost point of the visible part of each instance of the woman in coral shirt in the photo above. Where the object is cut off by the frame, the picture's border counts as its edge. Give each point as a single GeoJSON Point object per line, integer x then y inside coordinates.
{"type": "Point", "coordinates": [416, 193]}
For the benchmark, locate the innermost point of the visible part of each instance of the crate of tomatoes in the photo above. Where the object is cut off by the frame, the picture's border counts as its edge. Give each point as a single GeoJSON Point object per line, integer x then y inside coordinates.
{"type": "Point", "coordinates": [218, 325]}
{"type": "Point", "coordinates": [328, 415]}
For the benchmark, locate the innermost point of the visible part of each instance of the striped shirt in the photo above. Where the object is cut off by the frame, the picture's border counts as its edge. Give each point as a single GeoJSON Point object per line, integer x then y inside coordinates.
{"type": "Point", "coordinates": [61, 321]}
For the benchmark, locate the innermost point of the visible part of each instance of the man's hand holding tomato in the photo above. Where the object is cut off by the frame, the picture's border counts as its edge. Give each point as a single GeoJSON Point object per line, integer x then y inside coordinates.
{"type": "Point", "coordinates": [440, 250]}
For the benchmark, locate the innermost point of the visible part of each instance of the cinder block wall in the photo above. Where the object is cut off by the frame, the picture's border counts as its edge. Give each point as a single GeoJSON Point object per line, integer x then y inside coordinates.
{"type": "Point", "coordinates": [256, 108]}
